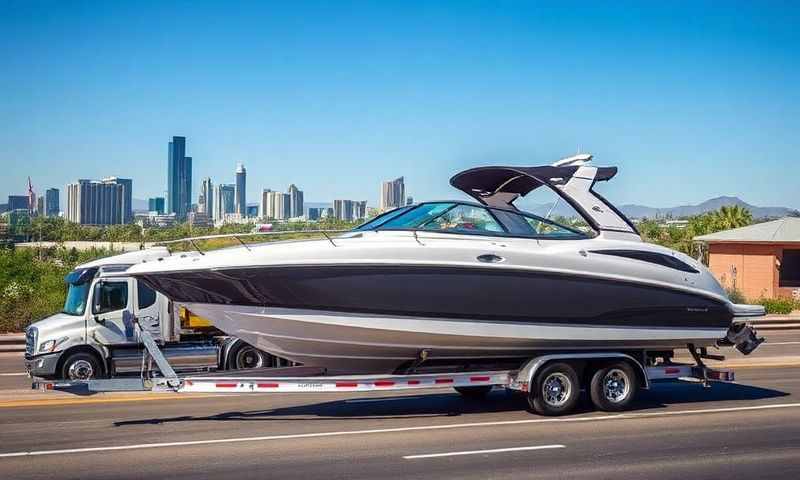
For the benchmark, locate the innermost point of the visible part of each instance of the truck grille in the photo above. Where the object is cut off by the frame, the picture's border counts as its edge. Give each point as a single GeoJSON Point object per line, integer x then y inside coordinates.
{"type": "Point", "coordinates": [31, 335]}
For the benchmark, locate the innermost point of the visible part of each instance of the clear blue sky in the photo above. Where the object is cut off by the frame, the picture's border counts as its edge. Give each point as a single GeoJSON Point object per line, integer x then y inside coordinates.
{"type": "Point", "coordinates": [691, 100]}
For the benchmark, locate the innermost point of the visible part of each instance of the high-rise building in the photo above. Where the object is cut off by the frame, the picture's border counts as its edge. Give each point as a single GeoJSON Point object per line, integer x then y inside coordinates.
{"type": "Point", "coordinates": [241, 190]}
{"type": "Point", "coordinates": [17, 202]}
{"type": "Point", "coordinates": [275, 205]}
{"type": "Point", "coordinates": [205, 203]}
{"type": "Point", "coordinates": [127, 196]}
{"type": "Point", "coordinates": [349, 210]}
{"type": "Point", "coordinates": [224, 202]}
{"type": "Point", "coordinates": [92, 202]}
{"type": "Point", "coordinates": [40, 206]}
{"type": "Point", "coordinates": [314, 213]}
{"type": "Point", "coordinates": [295, 202]}
{"type": "Point", "coordinates": [393, 194]}
{"type": "Point", "coordinates": [179, 178]}
{"type": "Point", "coordinates": [409, 200]}
{"type": "Point", "coordinates": [51, 202]}
{"type": "Point", "coordinates": [156, 204]}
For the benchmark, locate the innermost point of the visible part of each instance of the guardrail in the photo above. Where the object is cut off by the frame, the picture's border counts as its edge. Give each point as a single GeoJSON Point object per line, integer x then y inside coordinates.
{"type": "Point", "coordinates": [777, 322]}
{"type": "Point", "coordinates": [12, 342]}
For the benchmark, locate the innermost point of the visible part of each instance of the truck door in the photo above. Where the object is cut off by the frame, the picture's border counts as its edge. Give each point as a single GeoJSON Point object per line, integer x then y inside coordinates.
{"type": "Point", "coordinates": [148, 309]}
{"type": "Point", "coordinates": [112, 312]}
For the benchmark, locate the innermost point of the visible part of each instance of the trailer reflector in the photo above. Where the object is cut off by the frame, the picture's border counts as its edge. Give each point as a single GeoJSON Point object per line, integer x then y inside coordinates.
{"type": "Point", "coordinates": [225, 385]}
{"type": "Point", "coordinates": [268, 385]}
{"type": "Point", "coordinates": [444, 380]}
{"type": "Point", "coordinates": [672, 370]}
{"type": "Point", "coordinates": [384, 383]}
{"type": "Point", "coordinates": [346, 384]}
{"type": "Point", "coordinates": [479, 379]}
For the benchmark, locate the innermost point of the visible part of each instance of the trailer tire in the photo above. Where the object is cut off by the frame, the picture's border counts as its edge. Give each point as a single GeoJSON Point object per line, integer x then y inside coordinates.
{"type": "Point", "coordinates": [474, 393]}
{"type": "Point", "coordinates": [556, 390]}
{"type": "Point", "coordinates": [81, 366]}
{"type": "Point", "coordinates": [244, 356]}
{"type": "Point", "coordinates": [614, 386]}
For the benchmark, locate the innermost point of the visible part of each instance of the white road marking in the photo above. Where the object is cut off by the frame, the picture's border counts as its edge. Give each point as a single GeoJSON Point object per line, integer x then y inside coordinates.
{"type": "Point", "coordinates": [13, 374]}
{"type": "Point", "coordinates": [364, 400]}
{"type": "Point", "coordinates": [621, 416]}
{"type": "Point", "coordinates": [478, 452]}
{"type": "Point", "coordinates": [768, 343]}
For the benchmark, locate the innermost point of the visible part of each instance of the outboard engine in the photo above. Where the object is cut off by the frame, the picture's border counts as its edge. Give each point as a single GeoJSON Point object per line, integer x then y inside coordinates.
{"type": "Point", "coordinates": [743, 337]}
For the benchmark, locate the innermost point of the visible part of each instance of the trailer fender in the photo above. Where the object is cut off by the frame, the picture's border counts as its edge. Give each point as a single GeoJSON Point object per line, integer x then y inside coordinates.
{"type": "Point", "coordinates": [526, 375]}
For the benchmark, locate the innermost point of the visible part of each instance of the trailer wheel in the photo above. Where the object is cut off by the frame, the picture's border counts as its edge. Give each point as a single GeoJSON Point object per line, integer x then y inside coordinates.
{"type": "Point", "coordinates": [474, 393]}
{"type": "Point", "coordinates": [557, 389]}
{"type": "Point", "coordinates": [245, 356]}
{"type": "Point", "coordinates": [81, 366]}
{"type": "Point", "coordinates": [614, 387]}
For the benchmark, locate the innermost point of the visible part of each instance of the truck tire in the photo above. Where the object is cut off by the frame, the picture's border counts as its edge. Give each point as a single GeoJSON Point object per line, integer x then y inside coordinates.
{"type": "Point", "coordinates": [556, 390]}
{"type": "Point", "coordinates": [614, 386]}
{"type": "Point", "coordinates": [244, 356]}
{"type": "Point", "coordinates": [81, 366]}
{"type": "Point", "coordinates": [474, 393]}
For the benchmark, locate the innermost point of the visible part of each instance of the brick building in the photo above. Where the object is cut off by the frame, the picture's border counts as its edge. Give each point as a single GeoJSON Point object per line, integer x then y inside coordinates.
{"type": "Point", "coordinates": [761, 260]}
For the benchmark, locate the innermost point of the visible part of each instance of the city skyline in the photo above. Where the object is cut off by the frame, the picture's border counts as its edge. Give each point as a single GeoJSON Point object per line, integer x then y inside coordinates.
{"type": "Point", "coordinates": [695, 96]}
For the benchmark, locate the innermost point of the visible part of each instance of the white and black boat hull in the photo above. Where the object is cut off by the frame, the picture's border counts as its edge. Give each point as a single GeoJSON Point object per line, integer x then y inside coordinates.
{"type": "Point", "coordinates": [381, 343]}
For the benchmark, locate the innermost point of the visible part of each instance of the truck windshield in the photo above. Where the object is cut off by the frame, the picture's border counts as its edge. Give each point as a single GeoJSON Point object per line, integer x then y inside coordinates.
{"type": "Point", "coordinates": [79, 282]}
{"type": "Point", "coordinates": [76, 298]}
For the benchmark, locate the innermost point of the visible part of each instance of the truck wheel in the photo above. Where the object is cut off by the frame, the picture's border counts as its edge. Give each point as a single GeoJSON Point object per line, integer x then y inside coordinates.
{"type": "Point", "coordinates": [614, 387]}
{"type": "Point", "coordinates": [556, 390]}
{"type": "Point", "coordinates": [474, 393]}
{"type": "Point", "coordinates": [81, 366]}
{"type": "Point", "coordinates": [245, 356]}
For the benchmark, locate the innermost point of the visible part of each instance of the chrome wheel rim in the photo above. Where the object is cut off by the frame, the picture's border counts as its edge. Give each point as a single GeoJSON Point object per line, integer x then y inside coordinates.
{"type": "Point", "coordinates": [616, 385]}
{"type": "Point", "coordinates": [249, 357]}
{"type": "Point", "coordinates": [80, 370]}
{"type": "Point", "coordinates": [556, 389]}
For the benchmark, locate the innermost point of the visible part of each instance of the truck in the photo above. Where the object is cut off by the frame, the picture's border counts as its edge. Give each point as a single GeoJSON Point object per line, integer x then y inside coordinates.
{"type": "Point", "coordinates": [94, 337]}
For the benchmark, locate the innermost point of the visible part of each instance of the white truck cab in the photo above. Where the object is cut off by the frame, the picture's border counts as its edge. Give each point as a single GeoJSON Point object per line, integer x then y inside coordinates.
{"type": "Point", "coordinates": [94, 336]}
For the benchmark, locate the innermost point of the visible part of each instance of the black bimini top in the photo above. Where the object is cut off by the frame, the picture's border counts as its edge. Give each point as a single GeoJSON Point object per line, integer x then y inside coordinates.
{"type": "Point", "coordinates": [500, 186]}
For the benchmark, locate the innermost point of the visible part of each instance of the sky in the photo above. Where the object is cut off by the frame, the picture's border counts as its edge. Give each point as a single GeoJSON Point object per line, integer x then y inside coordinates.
{"type": "Point", "coordinates": [690, 100]}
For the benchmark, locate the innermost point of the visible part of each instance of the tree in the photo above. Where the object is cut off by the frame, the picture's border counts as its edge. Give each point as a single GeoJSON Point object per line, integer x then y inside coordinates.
{"type": "Point", "coordinates": [729, 217]}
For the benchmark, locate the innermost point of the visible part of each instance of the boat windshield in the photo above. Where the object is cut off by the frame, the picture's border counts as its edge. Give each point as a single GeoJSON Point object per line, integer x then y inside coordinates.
{"type": "Point", "coordinates": [382, 218]}
{"type": "Point", "coordinates": [455, 217]}
{"type": "Point", "coordinates": [78, 282]}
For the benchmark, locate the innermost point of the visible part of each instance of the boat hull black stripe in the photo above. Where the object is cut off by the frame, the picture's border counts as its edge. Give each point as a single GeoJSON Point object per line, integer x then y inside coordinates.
{"type": "Point", "coordinates": [447, 292]}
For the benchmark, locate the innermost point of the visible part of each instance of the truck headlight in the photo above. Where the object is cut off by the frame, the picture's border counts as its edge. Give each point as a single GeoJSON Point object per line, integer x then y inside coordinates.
{"type": "Point", "coordinates": [50, 345]}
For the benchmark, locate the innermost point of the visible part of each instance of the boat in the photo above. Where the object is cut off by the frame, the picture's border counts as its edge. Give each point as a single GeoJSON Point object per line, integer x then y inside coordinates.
{"type": "Point", "coordinates": [471, 283]}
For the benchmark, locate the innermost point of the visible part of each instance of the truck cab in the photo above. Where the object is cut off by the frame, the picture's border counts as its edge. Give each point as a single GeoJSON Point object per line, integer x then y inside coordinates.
{"type": "Point", "coordinates": [94, 336]}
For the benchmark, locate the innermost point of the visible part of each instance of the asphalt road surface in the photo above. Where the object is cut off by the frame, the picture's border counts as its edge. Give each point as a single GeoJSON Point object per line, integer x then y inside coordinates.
{"type": "Point", "coordinates": [749, 429]}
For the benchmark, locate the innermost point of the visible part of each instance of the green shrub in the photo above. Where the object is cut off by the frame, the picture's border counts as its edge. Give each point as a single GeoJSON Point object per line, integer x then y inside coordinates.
{"type": "Point", "coordinates": [735, 295]}
{"type": "Point", "coordinates": [781, 306]}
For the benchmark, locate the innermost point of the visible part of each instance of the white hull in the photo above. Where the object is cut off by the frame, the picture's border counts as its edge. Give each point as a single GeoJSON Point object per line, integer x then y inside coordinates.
{"type": "Point", "coordinates": [380, 343]}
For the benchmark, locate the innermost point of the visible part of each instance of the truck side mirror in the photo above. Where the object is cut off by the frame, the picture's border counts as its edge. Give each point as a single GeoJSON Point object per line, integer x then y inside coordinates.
{"type": "Point", "coordinates": [97, 299]}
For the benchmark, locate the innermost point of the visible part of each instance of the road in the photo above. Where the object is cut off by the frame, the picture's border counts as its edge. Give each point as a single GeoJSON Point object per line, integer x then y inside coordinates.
{"type": "Point", "coordinates": [749, 429]}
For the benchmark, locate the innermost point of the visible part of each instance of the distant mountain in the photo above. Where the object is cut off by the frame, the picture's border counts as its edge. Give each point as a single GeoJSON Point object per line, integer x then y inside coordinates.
{"type": "Point", "coordinates": [640, 211]}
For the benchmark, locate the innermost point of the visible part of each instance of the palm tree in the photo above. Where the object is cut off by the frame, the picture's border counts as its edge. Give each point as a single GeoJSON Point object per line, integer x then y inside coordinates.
{"type": "Point", "coordinates": [728, 217]}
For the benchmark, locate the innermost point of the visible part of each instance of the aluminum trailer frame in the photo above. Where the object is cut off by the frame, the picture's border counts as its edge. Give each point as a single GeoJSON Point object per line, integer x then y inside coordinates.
{"type": "Point", "coordinates": [518, 380]}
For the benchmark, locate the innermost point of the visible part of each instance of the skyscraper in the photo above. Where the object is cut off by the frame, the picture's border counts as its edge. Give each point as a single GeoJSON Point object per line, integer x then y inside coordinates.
{"type": "Point", "coordinates": [179, 178]}
{"type": "Point", "coordinates": [156, 204]}
{"type": "Point", "coordinates": [92, 202]}
{"type": "Point", "coordinates": [127, 196]}
{"type": "Point", "coordinates": [393, 194]}
{"type": "Point", "coordinates": [275, 205]}
{"type": "Point", "coordinates": [296, 208]}
{"type": "Point", "coordinates": [17, 202]}
{"type": "Point", "coordinates": [264, 203]}
{"type": "Point", "coordinates": [205, 203]}
{"type": "Point", "coordinates": [241, 190]}
{"type": "Point", "coordinates": [51, 202]}
{"type": "Point", "coordinates": [224, 202]}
